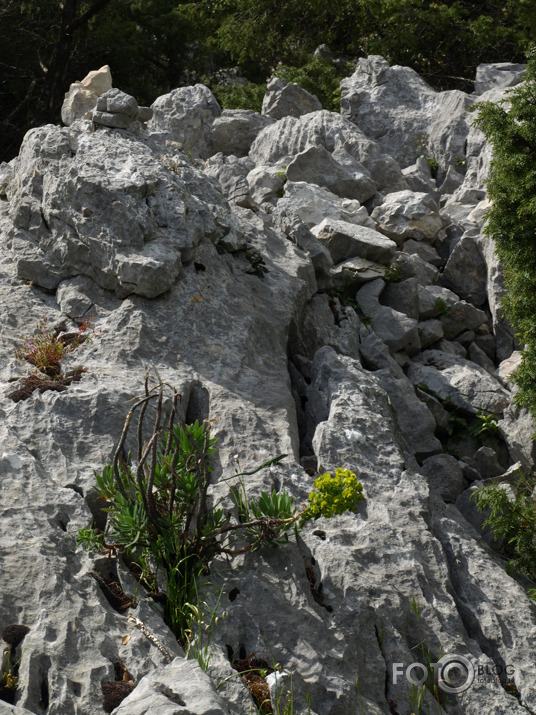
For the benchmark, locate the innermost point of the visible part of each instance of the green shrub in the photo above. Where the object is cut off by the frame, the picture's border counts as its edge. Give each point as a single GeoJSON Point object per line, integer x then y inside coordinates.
{"type": "Point", "coordinates": [512, 520]}
{"type": "Point", "coordinates": [318, 77]}
{"type": "Point", "coordinates": [240, 96]}
{"type": "Point", "coordinates": [333, 494]}
{"type": "Point", "coordinates": [510, 126]}
{"type": "Point", "coordinates": [161, 518]}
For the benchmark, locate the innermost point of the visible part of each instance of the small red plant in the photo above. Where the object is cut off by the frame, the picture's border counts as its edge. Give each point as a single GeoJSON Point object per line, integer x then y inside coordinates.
{"type": "Point", "coordinates": [47, 346]}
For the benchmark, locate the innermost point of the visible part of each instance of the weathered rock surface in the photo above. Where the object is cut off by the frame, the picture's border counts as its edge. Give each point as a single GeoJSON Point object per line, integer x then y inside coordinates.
{"type": "Point", "coordinates": [82, 96]}
{"type": "Point", "coordinates": [313, 356]}
{"type": "Point", "coordinates": [346, 240]}
{"type": "Point", "coordinates": [234, 131]}
{"type": "Point", "coordinates": [396, 108]}
{"type": "Point", "coordinates": [284, 99]}
{"type": "Point", "coordinates": [405, 214]}
{"type": "Point", "coordinates": [465, 384]}
{"type": "Point", "coordinates": [186, 116]}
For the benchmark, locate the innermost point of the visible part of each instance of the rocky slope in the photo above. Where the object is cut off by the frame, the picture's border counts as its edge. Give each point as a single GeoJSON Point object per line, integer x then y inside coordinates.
{"type": "Point", "coordinates": [306, 283]}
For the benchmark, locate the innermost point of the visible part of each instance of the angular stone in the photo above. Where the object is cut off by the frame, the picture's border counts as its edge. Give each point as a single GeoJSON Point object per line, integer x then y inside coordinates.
{"type": "Point", "coordinates": [466, 271]}
{"type": "Point", "coordinates": [403, 296]}
{"type": "Point", "coordinates": [147, 233]}
{"type": "Point", "coordinates": [114, 121]}
{"type": "Point", "coordinates": [430, 332]}
{"type": "Point", "coordinates": [405, 214]}
{"type": "Point", "coordinates": [98, 81]}
{"type": "Point", "coordinates": [290, 136]}
{"type": "Point", "coordinates": [423, 250]}
{"type": "Point", "coordinates": [395, 107]}
{"type": "Point", "coordinates": [498, 75]}
{"type": "Point", "coordinates": [284, 98]}
{"type": "Point", "coordinates": [266, 184]}
{"type": "Point", "coordinates": [234, 131]}
{"type": "Point", "coordinates": [396, 330]}
{"type": "Point", "coordinates": [477, 355]}
{"type": "Point", "coordinates": [467, 386]}
{"type": "Point", "coordinates": [317, 166]}
{"type": "Point", "coordinates": [181, 686]}
{"type": "Point", "coordinates": [186, 116]}
{"type": "Point", "coordinates": [435, 301]}
{"type": "Point", "coordinates": [461, 316]}
{"type": "Point", "coordinates": [444, 476]}
{"type": "Point", "coordinates": [345, 240]}
{"type": "Point", "coordinates": [312, 204]}
{"type": "Point", "coordinates": [413, 418]}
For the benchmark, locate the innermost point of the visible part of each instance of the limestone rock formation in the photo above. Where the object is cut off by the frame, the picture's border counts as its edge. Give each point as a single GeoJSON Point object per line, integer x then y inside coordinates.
{"type": "Point", "coordinates": [340, 327]}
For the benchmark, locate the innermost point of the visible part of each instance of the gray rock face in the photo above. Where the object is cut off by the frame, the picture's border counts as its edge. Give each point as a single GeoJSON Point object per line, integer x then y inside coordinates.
{"type": "Point", "coordinates": [466, 385]}
{"type": "Point", "coordinates": [123, 227]}
{"type": "Point", "coordinates": [186, 116]}
{"type": "Point", "coordinates": [396, 108]}
{"type": "Point", "coordinates": [288, 99]}
{"type": "Point", "coordinates": [466, 272]}
{"type": "Point", "coordinates": [396, 330]}
{"type": "Point", "coordinates": [234, 131]}
{"type": "Point", "coordinates": [180, 686]}
{"type": "Point", "coordinates": [284, 140]}
{"type": "Point", "coordinates": [346, 240]}
{"type": "Point", "coordinates": [59, 227]}
{"type": "Point", "coordinates": [312, 204]}
{"type": "Point", "coordinates": [498, 76]}
{"type": "Point", "coordinates": [444, 476]}
{"type": "Point", "coordinates": [405, 214]}
{"type": "Point", "coordinates": [118, 110]}
{"type": "Point", "coordinates": [317, 166]}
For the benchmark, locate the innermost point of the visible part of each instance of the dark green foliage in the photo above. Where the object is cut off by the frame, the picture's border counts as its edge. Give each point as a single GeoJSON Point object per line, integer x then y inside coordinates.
{"type": "Point", "coordinates": [239, 96]}
{"type": "Point", "coordinates": [514, 521]}
{"type": "Point", "coordinates": [153, 46]}
{"type": "Point", "coordinates": [512, 218]}
{"type": "Point", "coordinates": [318, 77]}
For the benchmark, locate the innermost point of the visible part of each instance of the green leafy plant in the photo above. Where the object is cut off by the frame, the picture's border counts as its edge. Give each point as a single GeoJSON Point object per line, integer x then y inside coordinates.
{"type": "Point", "coordinates": [392, 274]}
{"type": "Point", "coordinates": [486, 425]}
{"type": "Point", "coordinates": [258, 265]}
{"type": "Point", "coordinates": [512, 518]}
{"type": "Point", "coordinates": [161, 520]}
{"type": "Point", "coordinates": [441, 308]}
{"type": "Point", "coordinates": [510, 126]}
{"type": "Point", "coordinates": [333, 494]}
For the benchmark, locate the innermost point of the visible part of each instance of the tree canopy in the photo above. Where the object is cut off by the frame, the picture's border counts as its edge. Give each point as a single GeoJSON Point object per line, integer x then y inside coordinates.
{"type": "Point", "coordinates": [153, 46]}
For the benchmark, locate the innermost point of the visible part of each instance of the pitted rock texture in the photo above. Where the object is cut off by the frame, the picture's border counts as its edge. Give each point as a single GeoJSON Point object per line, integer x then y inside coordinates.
{"type": "Point", "coordinates": [349, 350]}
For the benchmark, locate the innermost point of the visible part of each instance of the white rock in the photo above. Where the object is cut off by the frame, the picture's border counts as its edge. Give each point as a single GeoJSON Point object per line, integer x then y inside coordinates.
{"type": "Point", "coordinates": [284, 98]}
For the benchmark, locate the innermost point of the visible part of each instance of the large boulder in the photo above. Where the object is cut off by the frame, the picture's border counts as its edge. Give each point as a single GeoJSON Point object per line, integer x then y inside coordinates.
{"type": "Point", "coordinates": [405, 214]}
{"type": "Point", "coordinates": [284, 98]}
{"type": "Point", "coordinates": [59, 204]}
{"type": "Point", "coordinates": [461, 382]}
{"type": "Point", "coordinates": [317, 166]}
{"type": "Point", "coordinates": [396, 108]}
{"type": "Point", "coordinates": [312, 204]}
{"type": "Point", "coordinates": [397, 330]}
{"type": "Point", "coordinates": [281, 142]}
{"type": "Point", "coordinates": [234, 131]}
{"type": "Point", "coordinates": [498, 75]}
{"type": "Point", "coordinates": [466, 271]}
{"type": "Point", "coordinates": [345, 240]}
{"type": "Point", "coordinates": [186, 116]}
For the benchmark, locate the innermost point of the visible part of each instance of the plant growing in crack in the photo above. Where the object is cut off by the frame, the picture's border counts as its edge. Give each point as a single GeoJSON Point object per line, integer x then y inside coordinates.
{"type": "Point", "coordinates": [161, 518]}
{"type": "Point", "coordinates": [44, 350]}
